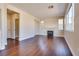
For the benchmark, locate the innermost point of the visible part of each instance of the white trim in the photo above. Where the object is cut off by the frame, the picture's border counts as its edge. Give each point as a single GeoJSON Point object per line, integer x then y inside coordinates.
{"type": "Point", "coordinates": [2, 48]}
{"type": "Point", "coordinates": [21, 39]}
{"type": "Point", "coordinates": [70, 48]}
{"type": "Point", "coordinates": [59, 35]}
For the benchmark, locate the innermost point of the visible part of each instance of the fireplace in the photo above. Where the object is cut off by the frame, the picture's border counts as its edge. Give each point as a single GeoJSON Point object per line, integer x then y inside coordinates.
{"type": "Point", "coordinates": [49, 33]}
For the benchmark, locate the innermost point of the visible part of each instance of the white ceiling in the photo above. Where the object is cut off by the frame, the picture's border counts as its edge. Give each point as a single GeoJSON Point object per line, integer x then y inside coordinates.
{"type": "Point", "coordinates": [41, 10]}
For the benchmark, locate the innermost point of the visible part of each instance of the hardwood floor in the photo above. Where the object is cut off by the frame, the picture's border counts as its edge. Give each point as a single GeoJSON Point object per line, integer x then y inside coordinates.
{"type": "Point", "coordinates": [37, 46]}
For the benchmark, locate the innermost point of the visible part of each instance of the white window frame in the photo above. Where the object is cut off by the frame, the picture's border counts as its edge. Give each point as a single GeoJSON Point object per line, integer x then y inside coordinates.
{"type": "Point", "coordinates": [60, 24]}
{"type": "Point", "coordinates": [70, 24]}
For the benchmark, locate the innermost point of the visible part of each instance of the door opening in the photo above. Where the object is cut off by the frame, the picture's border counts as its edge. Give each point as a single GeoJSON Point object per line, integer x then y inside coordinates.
{"type": "Point", "coordinates": [16, 29]}
{"type": "Point", "coordinates": [12, 25]}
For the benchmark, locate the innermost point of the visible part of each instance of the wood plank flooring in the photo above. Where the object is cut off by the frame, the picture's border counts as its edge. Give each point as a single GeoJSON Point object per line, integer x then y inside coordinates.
{"type": "Point", "coordinates": [37, 46]}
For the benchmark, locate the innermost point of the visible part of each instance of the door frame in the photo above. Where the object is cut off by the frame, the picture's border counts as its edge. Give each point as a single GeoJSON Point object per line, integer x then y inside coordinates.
{"type": "Point", "coordinates": [14, 23]}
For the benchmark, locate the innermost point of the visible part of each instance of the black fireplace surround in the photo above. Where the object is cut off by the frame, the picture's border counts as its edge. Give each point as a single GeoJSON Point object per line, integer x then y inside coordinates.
{"type": "Point", "coordinates": [50, 33]}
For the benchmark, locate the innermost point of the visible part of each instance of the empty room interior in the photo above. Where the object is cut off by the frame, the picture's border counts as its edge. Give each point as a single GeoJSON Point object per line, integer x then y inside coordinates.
{"type": "Point", "coordinates": [39, 29]}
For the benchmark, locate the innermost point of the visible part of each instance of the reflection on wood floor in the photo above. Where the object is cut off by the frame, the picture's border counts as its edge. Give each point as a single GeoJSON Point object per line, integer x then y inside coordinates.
{"type": "Point", "coordinates": [37, 46]}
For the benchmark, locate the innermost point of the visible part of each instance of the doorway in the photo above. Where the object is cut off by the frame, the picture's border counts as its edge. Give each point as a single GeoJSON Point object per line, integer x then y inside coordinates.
{"type": "Point", "coordinates": [16, 29]}
{"type": "Point", "coordinates": [12, 25]}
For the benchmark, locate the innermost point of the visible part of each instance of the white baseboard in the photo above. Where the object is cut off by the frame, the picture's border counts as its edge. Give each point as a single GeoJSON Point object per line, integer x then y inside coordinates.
{"type": "Point", "coordinates": [2, 48]}
{"type": "Point", "coordinates": [54, 35]}
{"type": "Point", "coordinates": [70, 48]}
{"type": "Point", "coordinates": [21, 38]}
{"type": "Point", "coordinates": [59, 35]}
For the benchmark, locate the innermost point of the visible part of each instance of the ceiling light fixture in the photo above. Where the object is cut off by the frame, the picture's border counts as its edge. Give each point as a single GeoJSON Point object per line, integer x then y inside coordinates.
{"type": "Point", "coordinates": [51, 6]}
{"type": "Point", "coordinates": [42, 22]}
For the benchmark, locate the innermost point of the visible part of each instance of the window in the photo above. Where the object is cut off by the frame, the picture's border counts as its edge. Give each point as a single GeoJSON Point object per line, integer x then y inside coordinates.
{"type": "Point", "coordinates": [70, 19]}
{"type": "Point", "coordinates": [60, 24]}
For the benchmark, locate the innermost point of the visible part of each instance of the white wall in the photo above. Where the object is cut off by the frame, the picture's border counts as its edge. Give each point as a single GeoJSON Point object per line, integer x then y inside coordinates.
{"type": "Point", "coordinates": [0, 27]}
{"type": "Point", "coordinates": [27, 25]}
{"type": "Point", "coordinates": [0, 22]}
{"type": "Point", "coordinates": [37, 27]}
{"type": "Point", "coordinates": [0, 19]}
{"type": "Point", "coordinates": [3, 26]}
{"type": "Point", "coordinates": [50, 24]}
{"type": "Point", "coordinates": [72, 38]}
